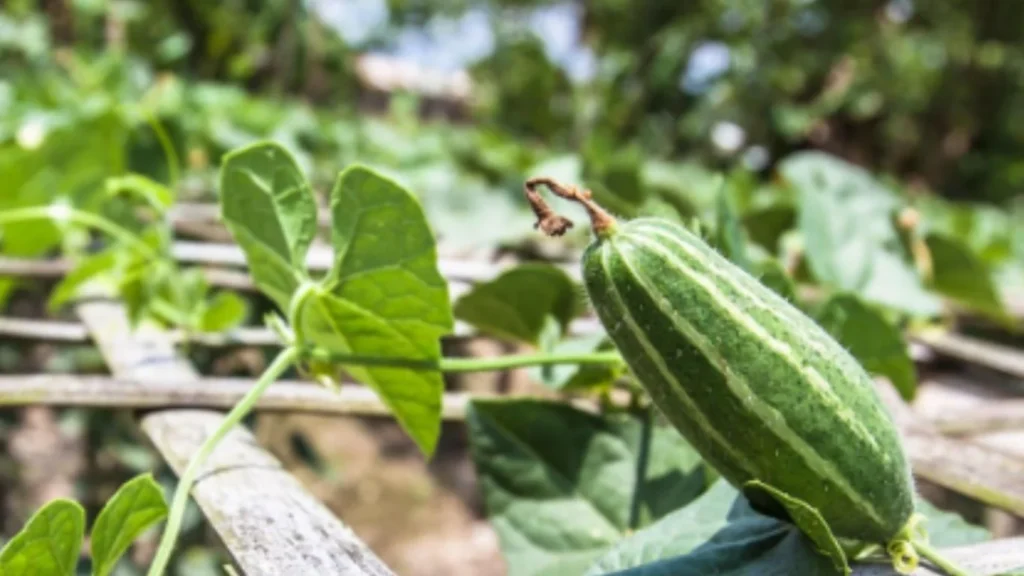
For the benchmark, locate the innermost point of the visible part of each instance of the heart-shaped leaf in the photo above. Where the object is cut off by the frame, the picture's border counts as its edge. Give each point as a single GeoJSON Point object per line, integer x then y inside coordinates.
{"type": "Point", "coordinates": [137, 505]}
{"type": "Point", "coordinates": [515, 304]}
{"type": "Point", "coordinates": [850, 239]}
{"type": "Point", "coordinates": [384, 297]}
{"type": "Point", "coordinates": [559, 483]}
{"type": "Point", "coordinates": [49, 543]}
{"type": "Point", "coordinates": [269, 208]}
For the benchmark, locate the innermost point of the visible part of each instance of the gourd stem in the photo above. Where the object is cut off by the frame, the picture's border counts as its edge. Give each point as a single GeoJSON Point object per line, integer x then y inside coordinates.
{"type": "Point", "coordinates": [936, 557]}
{"type": "Point", "coordinates": [281, 363]}
{"type": "Point", "coordinates": [467, 364]}
{"type": "Point", "coordinates": [82, 218]}
{"type": "Point", "coordinates": [552, 223]}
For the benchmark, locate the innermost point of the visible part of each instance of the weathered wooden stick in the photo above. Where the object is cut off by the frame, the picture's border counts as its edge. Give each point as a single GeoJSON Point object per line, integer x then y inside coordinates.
{"type": "Point", "coordinates": [980, 472]}
{"type": "Point", "coordinates": [220, 393]}
{"type": "Point", "coordinates": [975, 351]}
{"type": "Point", "coordinates": [62, 331]}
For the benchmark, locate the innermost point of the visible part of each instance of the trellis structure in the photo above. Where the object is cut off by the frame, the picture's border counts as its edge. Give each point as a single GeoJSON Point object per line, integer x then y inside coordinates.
{"type": "Point", "coordinates": [273, 526]}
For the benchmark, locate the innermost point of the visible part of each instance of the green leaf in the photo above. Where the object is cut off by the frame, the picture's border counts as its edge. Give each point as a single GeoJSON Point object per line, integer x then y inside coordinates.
{"type": "Point", "coordinates": [137, 505]}
{"type": "Point", "coordinates": [676, 534]}
{"type": "Point", "coordinates": [849, 236]}
{"type": "Point", "coordinates": [87, 270]}
{"type": "Point", "coordinates": [807, 518]}
{"type": "Point", "coordinates": [717, 534]}
{"type": "Point", "coordinates": [49, 543]}
{"type": "Point", "coordinates": [963, 277]}
{"type": "Point", "coordinates": [871, 339]}
{"type": "Point", "coordinates": [158, 196]}
{"type": "Point", "coordinates": [730, 236]}
{"type": "Point", "coordinates": [384, 297]}
{"type": "Point", "coordinates": [986, 230]}
{"type": "Point", "coordinates": [559, 483]}
{"type": "Point", "coordinates": [948, 529]}
{"type": "Point", "coordinates": [412, 394]}
{"type": "Point", "coordinates": [223, 312]}
{"type": "Point", "coordinates": [269, 208]}
{"type": "Point", "coordinates": [515, 304]}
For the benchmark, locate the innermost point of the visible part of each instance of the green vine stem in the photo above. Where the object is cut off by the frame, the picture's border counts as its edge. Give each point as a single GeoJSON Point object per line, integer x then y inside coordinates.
{"type": "Point", "coordinates": [284, 360]}
{"type": "Point", "coordinates": [467, 364]}
{"type": "Point", "coordinates": [80, 217]}
{"type": "Point", "coordinates": [935, 557]}
{"type": "Point", "coordinates": [646, 431]}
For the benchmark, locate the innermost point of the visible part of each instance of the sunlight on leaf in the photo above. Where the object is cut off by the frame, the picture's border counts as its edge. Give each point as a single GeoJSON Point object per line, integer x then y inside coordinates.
{"type": "Point", "coordinates": [269, 208]}
{"type": "Point", "coordinates": [384, 297]}
{"type": "Point", "coordinates": [136, 506]}
{"type": "Point", "coordinates": [49, 543]}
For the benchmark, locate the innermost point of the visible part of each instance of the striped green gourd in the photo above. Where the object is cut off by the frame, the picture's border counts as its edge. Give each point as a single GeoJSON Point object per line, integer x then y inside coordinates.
{"type": "Point", "coordinates": [756, 386]}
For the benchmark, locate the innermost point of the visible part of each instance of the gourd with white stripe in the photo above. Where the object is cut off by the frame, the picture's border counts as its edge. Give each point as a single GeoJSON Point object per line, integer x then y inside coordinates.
{"type": "Point", "coordinates": [756, 386]}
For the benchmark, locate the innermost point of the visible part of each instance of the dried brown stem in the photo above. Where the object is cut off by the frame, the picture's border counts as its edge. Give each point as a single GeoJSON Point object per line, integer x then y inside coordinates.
{"type": "Point", "coordinates": [554, 224]}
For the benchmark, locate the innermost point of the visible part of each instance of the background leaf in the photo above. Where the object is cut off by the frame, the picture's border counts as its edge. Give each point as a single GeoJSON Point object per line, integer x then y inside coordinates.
{"type": "Point", "coordinates": [963, 277]}
{"type": "Point", "coordinates": [731, 238]}
{"type": "Point", "coordinates": [137, 505]}
{"type": "Point", "coordinates": [49, 543]}
{"type": "Point", "coordinates": [871, 339]}
{"type": "Point", "coordinates": [155, 194]}
{"type": "Point", "coordinates": [269, 208]}
{"type": "Point", "coordinates": [515, 304]}
{"type": "Point", "coordinates": [849, 237]}
{"type": "Point", "coordinates": [948, 529]}
{"type": "Point", "coordinates": [559, 483]}
{"type": "Point", "coordinates": [85, 271]}
{"type": "Point", "coordinates": [223, 312]}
